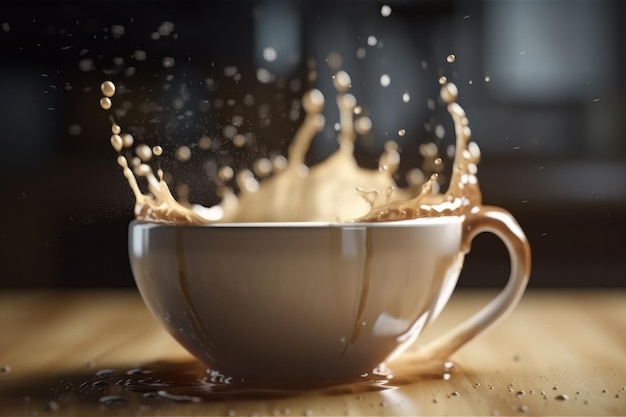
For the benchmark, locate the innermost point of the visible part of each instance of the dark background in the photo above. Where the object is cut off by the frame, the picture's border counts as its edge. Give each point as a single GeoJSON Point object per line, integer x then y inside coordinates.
{"type": "Point", "coordinates": [550, 122]}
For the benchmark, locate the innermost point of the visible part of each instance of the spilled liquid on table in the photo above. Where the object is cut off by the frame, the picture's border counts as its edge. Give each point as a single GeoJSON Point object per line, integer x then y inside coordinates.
{"type": "Point", "coordinates": [190, 382]}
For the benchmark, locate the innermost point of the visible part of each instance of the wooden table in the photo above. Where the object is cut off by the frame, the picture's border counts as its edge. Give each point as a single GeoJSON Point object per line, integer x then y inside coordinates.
{"type": "Point", "coordinates": [88, 353]}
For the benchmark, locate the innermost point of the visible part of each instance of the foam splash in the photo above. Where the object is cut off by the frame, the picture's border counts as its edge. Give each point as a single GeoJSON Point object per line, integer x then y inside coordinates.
{"type": "Point", "coordinates": [335, 190]}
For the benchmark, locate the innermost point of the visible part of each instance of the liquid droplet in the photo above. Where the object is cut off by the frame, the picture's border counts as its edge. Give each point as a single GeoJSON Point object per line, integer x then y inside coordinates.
{"type": "Point", "coordinates": [140, 55]}
{"type": "Point", "coordinates": [334, 61]}
{"type": "Point", "coordinates": [127, 140]}
{"type": "Point", "coordinates": [451, 58]}
{"type": "Point", "coordinates": [262, 167]}
{"type": "Point", "coordinates": [385, 10]}
{"type": "Point", "coordinates": [166, 28]}
{"type": "Point", "coordinates": [107, 372]}
{"type": "Point", "coordinates": [179, 398]}
{"type": "Point", "coordinates": [239, 140]}
{"type": "Point", "coordinates": [205, 143]}
{"type": "Point", "coordinates": [385, 80]}
{"type": "Point", "coordinates": [105, 103]}
{"type": "Point", "coordinates": [363, 125]}
{"type": "Point", "coordinates": [53, 406]}
{"type": "Point", "coordinates": [138, 371]}
{"type": "Point", "coordinates": [183, 153]}
{"type": "Point", "coordinates": [415, 177]}
{"type": "Point", "coordinates": [168, 62]}
{"type": "Point", "coordinates": [112, 399]}
{"type": "Point", "coordinates": [108, 89]}
{"type": "Point", "coordinates": [226, 173]}
{"type": "Point", "coordinates": [264, 76]}
{"type": "Point", "coordinates": [449, 92]}
{"type": "Point", "coordinates": [269, 54]}
{"type": "Point", "coordinates": [342, 81]}
{"type": "Point", "coordinates": [116, 142]}
{"type": "Point", "coordinates": [143, 152]}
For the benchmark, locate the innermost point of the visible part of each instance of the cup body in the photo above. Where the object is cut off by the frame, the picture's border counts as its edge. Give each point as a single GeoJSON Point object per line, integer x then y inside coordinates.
{"type": "Point", "coordinates": [296, 301]}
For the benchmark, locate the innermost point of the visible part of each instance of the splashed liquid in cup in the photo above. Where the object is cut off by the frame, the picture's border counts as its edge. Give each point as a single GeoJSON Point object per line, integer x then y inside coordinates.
{"type": "Point", "coordinates": [320, 273]}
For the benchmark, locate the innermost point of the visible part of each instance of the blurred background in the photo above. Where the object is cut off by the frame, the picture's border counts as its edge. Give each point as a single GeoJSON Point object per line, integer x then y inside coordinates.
{"type": "Point", "coordinates": [542, 83]}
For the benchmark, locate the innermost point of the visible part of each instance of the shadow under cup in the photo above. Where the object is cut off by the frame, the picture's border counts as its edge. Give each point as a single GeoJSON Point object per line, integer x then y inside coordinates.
{"type": "Point", "coordinates": [305, 301]}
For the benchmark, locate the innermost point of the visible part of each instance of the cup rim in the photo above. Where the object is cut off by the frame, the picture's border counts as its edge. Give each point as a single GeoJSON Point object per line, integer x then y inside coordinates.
{"type": "Point", "coordinates": [417, 222]}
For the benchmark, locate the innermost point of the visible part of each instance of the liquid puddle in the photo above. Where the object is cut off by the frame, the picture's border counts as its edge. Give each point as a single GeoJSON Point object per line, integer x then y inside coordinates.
{"type": "Point", "coordinates": [190, 382]}
{"type": "Point", "coordinates": [171, 387]}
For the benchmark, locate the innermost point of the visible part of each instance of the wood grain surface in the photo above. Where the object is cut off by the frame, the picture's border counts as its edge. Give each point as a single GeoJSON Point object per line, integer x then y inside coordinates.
{"type": "Point", "coordinates": [101, 353]}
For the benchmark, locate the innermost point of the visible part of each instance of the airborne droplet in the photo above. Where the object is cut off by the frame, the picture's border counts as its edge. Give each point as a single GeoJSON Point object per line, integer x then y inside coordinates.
{"type": "Point", "coordinates": [225, 173]}
{"type": "Point", "coordinates": [107, 88]}
{"type": "Point", "coordinates": [262, 167]}
{"type": "Point", "coordinates": [168, 62]}
{"type": "Point", "coordinates": [363, 125]}
{"type": "Point", "coordinates": [116, 142]}
{"type": "Point", "coordinates": [105, 103]}
{"type": "Point", "coordinates": [269, 54]}
{"type": "Point", "coordinates": [183, 153]}
{"type": "Point", "coordinates": [127, 140]}
{"type": "Point", "coordinates": [342, 81]}
{"type": "Point", "coordinates": [385, 80]}
{"type": "Point", "coordinates": [144, 152]}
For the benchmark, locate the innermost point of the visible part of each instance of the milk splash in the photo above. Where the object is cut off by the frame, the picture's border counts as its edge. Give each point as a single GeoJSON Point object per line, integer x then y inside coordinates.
{"type": "Point", "coordinates": [335, 190]}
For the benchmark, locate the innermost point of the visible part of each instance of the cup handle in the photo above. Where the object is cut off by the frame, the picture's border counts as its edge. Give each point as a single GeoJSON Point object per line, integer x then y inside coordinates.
{"type": "Point", "coordinates": [501, 223]}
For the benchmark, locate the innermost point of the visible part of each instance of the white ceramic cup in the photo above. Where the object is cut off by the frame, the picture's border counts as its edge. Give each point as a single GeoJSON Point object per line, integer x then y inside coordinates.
{"type": "Point", "coordinates": [315, 301]}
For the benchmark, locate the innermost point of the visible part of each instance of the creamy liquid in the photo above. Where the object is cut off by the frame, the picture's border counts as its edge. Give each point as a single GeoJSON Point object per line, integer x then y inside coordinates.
{"type": "Point", "coordinates": [335, 190]}
{"type": "Point", "coordinates": [189, 382]}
